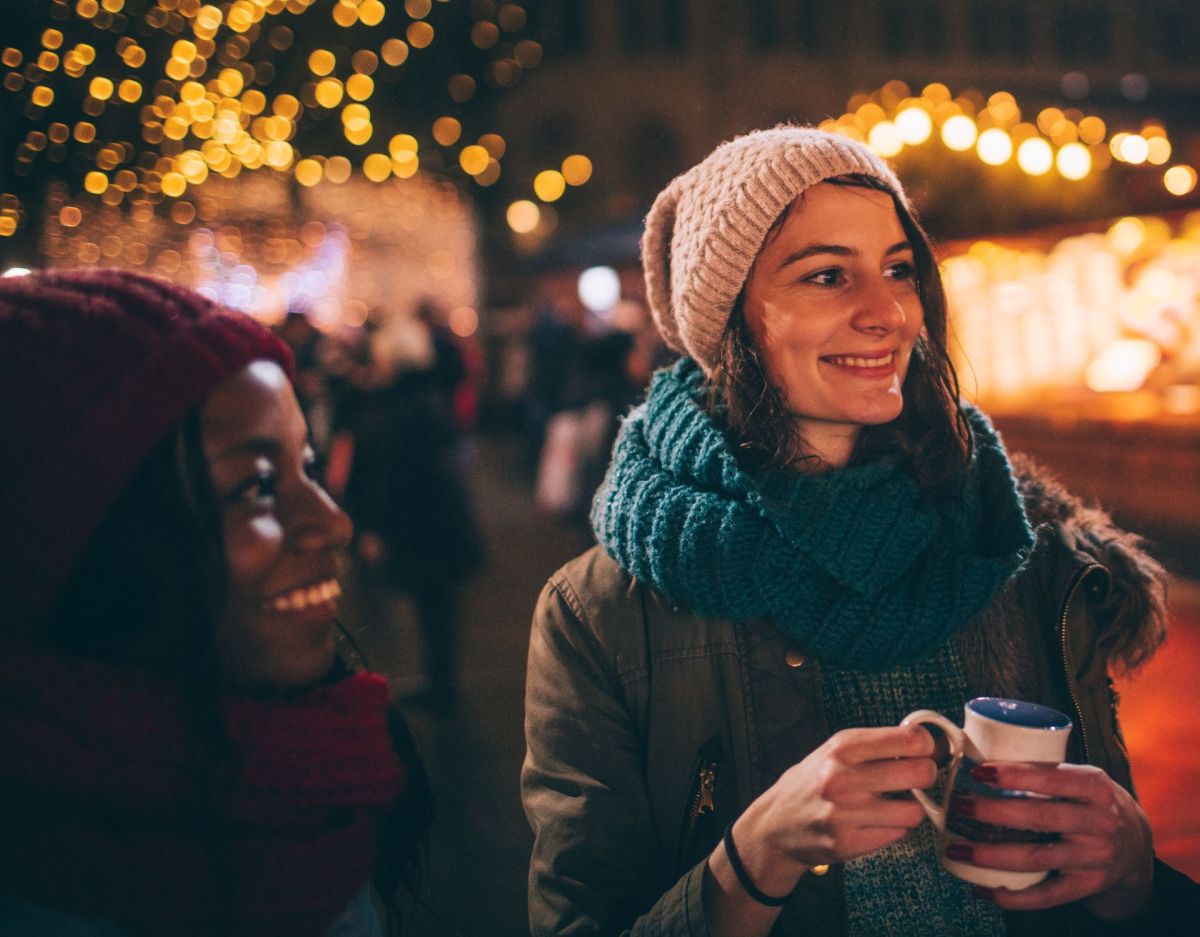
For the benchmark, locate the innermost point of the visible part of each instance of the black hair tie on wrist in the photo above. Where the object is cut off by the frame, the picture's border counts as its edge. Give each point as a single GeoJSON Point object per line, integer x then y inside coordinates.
{"type": "Point", "coordinates": [743, 876]}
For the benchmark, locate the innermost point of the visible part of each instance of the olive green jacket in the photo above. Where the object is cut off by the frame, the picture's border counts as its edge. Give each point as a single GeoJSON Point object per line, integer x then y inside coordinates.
{"type": "Point", "coordinates": [649, 728]}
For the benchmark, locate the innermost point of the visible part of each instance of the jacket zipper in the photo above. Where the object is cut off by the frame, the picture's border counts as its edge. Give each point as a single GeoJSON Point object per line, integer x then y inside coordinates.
{"type": "Point", "coordinates": [701, 800]}
{"type": "Point", "coordinates": [1068, 663]}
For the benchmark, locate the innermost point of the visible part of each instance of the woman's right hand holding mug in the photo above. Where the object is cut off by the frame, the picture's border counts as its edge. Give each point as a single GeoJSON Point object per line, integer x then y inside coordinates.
{"type": "Point", "coordinates": [827, 808]}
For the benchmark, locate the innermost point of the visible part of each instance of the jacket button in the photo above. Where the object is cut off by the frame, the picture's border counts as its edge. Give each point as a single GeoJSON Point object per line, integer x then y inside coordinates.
{"type": "Point", "coordinates": [819, 869]}
{"type": "Point", "coordinates": [793, 658]}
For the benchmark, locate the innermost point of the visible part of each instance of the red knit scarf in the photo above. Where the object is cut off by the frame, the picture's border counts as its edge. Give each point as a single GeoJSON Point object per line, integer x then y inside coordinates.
{"type": "Point", "coordinates": [104, 812]}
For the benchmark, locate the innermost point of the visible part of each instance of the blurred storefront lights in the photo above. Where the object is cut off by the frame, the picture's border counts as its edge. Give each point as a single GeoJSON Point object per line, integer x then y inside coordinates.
{"type": "Point", "coordinates": [599, 289]}
{"type": "Point", "coordinates": [1180, 180]}
{"type": "Point", "coordinates": [523, 216]}
{"type": "Point", "coordinates": [959, 132]}
{"type": "Point", "coordinates": [1073, 161]}
{"type": "Point", "coordinates": [1035, 157]}
{"type": "Point", "coordinates": [914, 125]}
{"type": "Point", "coordinates": [994, 146]}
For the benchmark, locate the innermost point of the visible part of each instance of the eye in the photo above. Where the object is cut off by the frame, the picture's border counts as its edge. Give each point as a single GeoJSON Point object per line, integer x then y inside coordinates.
{"type": "Point", "coordinates": [904, 270]}
{"type": "Point", "coordinates": [311, 469]}
{"type": "Point", "coordinates": [832, 276]}
{"type": "Point", "coordinates": [254, 491]}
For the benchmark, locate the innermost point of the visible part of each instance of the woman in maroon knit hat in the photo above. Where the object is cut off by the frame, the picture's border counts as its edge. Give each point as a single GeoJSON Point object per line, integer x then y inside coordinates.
{"type": "Point", "coordinates": [183, 751]}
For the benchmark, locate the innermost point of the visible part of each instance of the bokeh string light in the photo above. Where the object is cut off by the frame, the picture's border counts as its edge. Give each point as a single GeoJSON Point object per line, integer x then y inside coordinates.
{"type": "Point", "coordinates": [138, 103]}
{"type": "Point", "coordinates": [1070, 143]}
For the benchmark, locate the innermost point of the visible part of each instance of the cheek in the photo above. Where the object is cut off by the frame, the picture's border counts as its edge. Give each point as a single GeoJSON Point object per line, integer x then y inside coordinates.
{"type": "Point", "coordinates": [251, 548]}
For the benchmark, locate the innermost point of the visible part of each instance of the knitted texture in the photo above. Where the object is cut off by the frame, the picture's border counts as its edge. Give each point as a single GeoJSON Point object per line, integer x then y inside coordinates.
{"type": "Point", "coordinates": [707, 226]}
{"type": "Point", "coordinates": [105, 814]}
{"type": "Point", "coordinates": [902, 889]}
{"type": "Point", "coordinates": [95, 368]}
{"type": "Point", "coordinates": [852, 563]}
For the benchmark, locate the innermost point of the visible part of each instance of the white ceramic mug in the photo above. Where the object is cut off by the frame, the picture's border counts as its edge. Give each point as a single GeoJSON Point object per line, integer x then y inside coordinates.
{"type": "Point", "coordinates": [993, 730]}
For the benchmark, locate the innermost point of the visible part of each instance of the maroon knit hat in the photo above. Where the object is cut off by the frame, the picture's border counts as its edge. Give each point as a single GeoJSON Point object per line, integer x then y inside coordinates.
{"type": "Point", "coordinates": [96, 366]}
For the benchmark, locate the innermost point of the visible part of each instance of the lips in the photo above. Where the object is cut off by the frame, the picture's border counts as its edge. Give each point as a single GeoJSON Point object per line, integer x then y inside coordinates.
{"type": "Point", "coordinates": [854, 361]}
{"type": "Point", "coordinates": [305, 597]}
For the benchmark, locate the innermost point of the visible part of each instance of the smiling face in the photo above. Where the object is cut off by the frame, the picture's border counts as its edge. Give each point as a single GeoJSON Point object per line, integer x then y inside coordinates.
{"type": "Point", "coordinates": [282, 533]}
{"type": "Point", "coordinates": [832, 305]}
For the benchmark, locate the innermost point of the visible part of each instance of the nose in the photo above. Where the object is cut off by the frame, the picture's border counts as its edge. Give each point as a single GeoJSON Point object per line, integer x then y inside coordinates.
{"type": "Point", "coordinates": [880, 310]}
{"type": "Point", "coordinates": [318, 523]}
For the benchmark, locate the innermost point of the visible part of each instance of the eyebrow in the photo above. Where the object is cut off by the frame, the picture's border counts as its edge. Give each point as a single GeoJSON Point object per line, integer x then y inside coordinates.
{"type": "Point", "coordinates": [254, 445]}
{"type": "Point", "coordinates": [838, 250]}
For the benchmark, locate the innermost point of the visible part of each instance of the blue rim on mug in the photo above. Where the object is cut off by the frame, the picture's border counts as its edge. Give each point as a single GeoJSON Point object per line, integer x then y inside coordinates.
{"type": "Point", "coordinates": [1019, 713]}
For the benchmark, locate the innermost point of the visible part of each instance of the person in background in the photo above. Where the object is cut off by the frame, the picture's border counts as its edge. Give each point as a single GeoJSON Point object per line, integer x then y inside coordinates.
{"type": "Point", "coordinates": [184, 752]}
{"type": "Point", "coordinates": [804, 535]}
{"type": "Point", "coordinates": [406, 490]}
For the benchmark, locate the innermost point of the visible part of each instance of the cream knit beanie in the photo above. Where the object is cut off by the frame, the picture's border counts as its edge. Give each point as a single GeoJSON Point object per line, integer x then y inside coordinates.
{"type": "Point", "coordinates": [707, 226]}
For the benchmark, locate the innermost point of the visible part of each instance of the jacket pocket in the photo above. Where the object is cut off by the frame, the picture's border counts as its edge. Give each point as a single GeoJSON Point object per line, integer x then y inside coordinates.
{"type": "Point", "coordinates": [700, 807]}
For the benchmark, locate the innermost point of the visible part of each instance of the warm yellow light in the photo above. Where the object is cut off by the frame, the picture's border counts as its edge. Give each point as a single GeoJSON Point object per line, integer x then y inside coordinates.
{"type": "Point", "coordinates": [230, 82]}
{"type": "Point", "coordinates": [1127, 235]}
{"type": "Point", "coordinates": [174, 184]}
{"type": "Point", "coordinates": [337, 169]}
{"type": "Point", "coordinates": [345, 14]}
{"type": "Point", "coordinates": [193, 166]}
{"type": "Point", "coordinates": [1123, 365]}
{"type": "Point", "coordinates": [1092, 130]}
{"type": "Point", "coordinates": [360, 134]}
{"type": "Point", "coordinates": [364, 61]}
{"type": "Point", "coordinates": [446, 131]}
{"type": "Point", "coordinates": [1035, 157]}
{"type": "Point", "coordinates": [70, 216]}
{"type": "Point", "coordinates": [321, 62]}
{"type": "Point", "coordinates": [370, 12]}
{"type": "Point", "coordinates": [42, 96]}
{"type": "Point", "coordinates": [253, 102]}
{"type": "Point", "coordinates": [1158, 150]}
{"type": "Point", "coordinates": [85, 132]}
{"type": "Point", "coordinates": [209, 18]}
{"type": "Point", "coordinates": [405, 164]}
{"type": "Point", "coordinates": [86, 53]}
{"type": "Point", "coordinates": [549, 185]}
{"type": "Point", "coordinates": [420, 34]}
{"type": "Point", "coordinates": [959, 132]}
{"type": "Point", "coordinates": [1134, 149]}
{"type": "Point", "coordinates": [95, 182]}
{"type": "Point", "coordinates": [130, 90]}
{"type": "Point", "coordinates": [884, 139]}
{"type": "Point", "coordinates": [377, 167]}
{"type": "Point", "coordinates": [418, 9]}
{"type": "Point", "coordinates": [394, 52]}
{"type": "Point", "coordinates": [355, 116]}
{"type": "Point", "coordinates": [523, 216]}
{"type": "Point", "coordinates": [185, 50]}
{"type": "Point", "coordinates": [360, 87]}
{"type": "Point", "coordinates": [286, 105]}
{"type": "Point", "coordinates": [473, 159]}
{"type": "Point", "coordinates": [177, 69]}
{"type": "Point", "coordinates": [278, 154]}
{"type": "Point", "coordinates": [403, 143]}
{"type": "Point", "coordinates": [192, 92]}
{"type": "Point", "coordinates": [51, 39]}
{"type": "Point", "coordinates": [577, 169]}
{"type": "Point", "coordinates": [101, 88]}
{"type": "Point", "coordinates": [329, 92]}
{"type": "Point", "coordinates": [994, 147]}
{"type": "Point", "coordinates": [47, 61]}
{"type": "Point", "coordinates": [1180, 180]}
{"type": "Point", "coordinates": [1074, 161]}
{"type": "Point", "coordinates": [914, 125]}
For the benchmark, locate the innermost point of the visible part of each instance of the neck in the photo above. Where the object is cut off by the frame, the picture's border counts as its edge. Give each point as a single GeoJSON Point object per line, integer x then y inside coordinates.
{"type": "Point", "coordinates": [825, 445]}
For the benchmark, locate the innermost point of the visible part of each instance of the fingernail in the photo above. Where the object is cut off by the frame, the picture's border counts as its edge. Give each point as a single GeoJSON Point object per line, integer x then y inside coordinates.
{"type": "Point", "coordinates": [985, 773]}
{"type": "Point", "coordinates": [962, 806]}
{"type": "Point", "coordinates": [960, 851]}
{"type": "Point", "coordinates": [985, 893]}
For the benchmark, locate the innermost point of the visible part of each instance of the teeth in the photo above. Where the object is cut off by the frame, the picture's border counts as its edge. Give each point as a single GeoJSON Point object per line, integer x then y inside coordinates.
{"type": "Point", "coordinates": [299, 599]}
{"type": "Point", "coordinates": [865, 362]}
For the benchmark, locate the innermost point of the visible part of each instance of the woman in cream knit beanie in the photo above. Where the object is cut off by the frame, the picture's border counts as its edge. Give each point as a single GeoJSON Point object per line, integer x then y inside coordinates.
{"type": "Point", "coordinates": [804, 536]}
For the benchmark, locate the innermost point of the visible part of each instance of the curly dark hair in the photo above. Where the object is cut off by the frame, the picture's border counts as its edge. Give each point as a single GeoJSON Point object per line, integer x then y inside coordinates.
{"type": "Point", "coordinates": [931, 434]}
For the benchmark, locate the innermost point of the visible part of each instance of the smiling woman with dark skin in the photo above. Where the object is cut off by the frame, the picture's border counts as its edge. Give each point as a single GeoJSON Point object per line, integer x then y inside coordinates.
{"type": "Point", "coordinates": [804, 535]}
{"type": "Point", "coordinates": [184, 751]}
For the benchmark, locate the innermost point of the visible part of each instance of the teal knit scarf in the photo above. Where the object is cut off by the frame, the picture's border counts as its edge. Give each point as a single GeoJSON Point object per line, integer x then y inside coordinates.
{"type": "Point", "coordinates": [852, 563]}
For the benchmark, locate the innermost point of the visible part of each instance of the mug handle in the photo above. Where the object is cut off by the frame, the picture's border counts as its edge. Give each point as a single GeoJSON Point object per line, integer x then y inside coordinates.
{"type": "Point", "coordinates": [957, 739]}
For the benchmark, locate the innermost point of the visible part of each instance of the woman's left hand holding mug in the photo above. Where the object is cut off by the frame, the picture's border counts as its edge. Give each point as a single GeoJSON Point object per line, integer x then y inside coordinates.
{"type": "Point", "coordinates": [1103, 854]}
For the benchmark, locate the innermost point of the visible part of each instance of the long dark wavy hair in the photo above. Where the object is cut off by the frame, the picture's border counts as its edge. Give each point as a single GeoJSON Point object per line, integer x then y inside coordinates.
{"type": "Point", "coordinates": [931, 434]}
{"type": "Point", "coordinates": [149, 590]}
